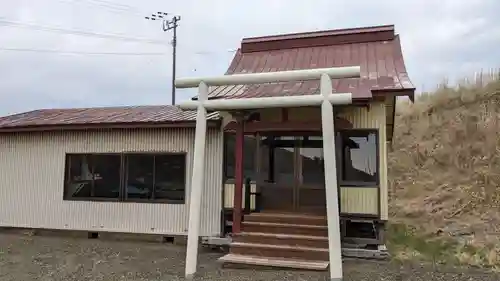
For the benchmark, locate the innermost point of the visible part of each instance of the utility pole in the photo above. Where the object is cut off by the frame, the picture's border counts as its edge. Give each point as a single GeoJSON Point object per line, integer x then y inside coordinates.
{"type": "Point", "coordinates": [169, 24]}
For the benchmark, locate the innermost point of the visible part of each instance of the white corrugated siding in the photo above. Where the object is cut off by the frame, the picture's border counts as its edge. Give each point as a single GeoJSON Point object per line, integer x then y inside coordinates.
{"type": "Point", "coordinates": [32, 178]}
{"type": "Point", "coordinates": [372, 117]}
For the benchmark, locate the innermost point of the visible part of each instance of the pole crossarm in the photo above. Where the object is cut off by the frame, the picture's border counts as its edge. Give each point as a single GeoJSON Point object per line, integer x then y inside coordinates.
{"type": "Point", "coordinates": [271, 77]}
{"type": "Point", "coordinates": [326, 99]}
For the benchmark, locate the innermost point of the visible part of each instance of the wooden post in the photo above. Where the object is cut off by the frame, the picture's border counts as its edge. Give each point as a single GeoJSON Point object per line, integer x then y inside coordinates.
{"type": "Point", "coordinates": [238, 173]}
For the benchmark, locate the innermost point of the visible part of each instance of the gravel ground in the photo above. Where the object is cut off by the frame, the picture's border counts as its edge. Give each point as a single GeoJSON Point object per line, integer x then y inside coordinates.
{"type": "Point", "coordinates": [24, 257]}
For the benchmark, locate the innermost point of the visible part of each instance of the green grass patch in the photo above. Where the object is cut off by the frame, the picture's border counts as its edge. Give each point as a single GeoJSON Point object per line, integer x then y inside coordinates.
{"type": "Point", "coordinates": [406, 243]}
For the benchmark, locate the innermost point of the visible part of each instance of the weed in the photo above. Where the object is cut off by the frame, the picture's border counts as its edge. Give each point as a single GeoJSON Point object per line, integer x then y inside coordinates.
{"type": "Point", "coordinates": [444, 172]}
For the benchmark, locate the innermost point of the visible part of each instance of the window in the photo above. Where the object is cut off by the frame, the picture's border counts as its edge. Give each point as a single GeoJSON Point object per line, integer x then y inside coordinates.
{"type": "Point", "coordinates": [140, 176]}
{"type": "Point", "coordinates": [170, 177]}
{"type": "Point", "coordinates": [126, 177]}
{"type": "Point", "coordinates": [249, 153]}
{"type": "Point", "coordinates": [96, 176]}
{"type": "Point", "coordinates": [358, 153]}
{"type": "Point", "coordinates": [156, 177]}
{"type": "Point", "coordinates": [106, 171]}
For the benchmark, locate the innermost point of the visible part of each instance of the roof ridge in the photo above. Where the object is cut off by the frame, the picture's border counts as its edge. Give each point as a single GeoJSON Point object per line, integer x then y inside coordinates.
{"type": "Point", "coordinates": [344, 31]}
{"type": "Point", "coordinates": [318, 38]}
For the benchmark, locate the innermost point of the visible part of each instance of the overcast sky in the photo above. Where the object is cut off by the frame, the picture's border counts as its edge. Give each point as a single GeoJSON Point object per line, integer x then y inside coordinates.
{"type": "Point", "coordinates": [446, 38]}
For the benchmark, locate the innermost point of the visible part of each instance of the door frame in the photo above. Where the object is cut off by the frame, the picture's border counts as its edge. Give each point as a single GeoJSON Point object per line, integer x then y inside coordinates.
{"type": "Point", "coordinates": [268, 180]}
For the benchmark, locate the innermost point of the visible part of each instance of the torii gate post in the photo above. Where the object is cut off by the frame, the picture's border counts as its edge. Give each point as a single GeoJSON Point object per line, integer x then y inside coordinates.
{"type": "Point", "coordinates": [326, 98]}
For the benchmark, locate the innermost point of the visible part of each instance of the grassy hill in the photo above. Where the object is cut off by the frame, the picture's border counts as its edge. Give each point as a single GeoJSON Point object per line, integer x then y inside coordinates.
{"type": "Point", "coordinates": [444, 173]}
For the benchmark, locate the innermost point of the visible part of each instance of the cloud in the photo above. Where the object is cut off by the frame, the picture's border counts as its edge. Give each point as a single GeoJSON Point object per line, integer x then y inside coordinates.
{"type": "Point", "coordinates": [449, 38]}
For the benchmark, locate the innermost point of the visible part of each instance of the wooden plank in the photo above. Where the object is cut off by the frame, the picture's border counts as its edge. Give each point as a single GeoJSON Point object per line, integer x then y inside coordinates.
{"type": "Point", "coordinates": [289, 215]}
{"type": "Point", "coordinates": [286, 225]}
{"type": "Point", "coordinates": [364, 254]}
{"type": "Point", "coordinates": [283, 235]}
{"type": "Point", "coordinates": [275, 262]}
{"type": "Point", "coordinates": [277, 247]}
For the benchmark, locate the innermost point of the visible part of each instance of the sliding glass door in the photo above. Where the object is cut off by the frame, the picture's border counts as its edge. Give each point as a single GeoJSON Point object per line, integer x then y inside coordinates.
{"type": "Point", "coordinates": [277, 173]}
{"type": "Point", "coordinates": [292, 173]}
{"type": "Point", "coordinates": [310, 175]}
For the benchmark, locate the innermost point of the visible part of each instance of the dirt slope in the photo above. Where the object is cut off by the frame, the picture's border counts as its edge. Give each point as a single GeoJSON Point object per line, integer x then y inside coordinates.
{"type": "Point", "coordinates": [445, 170]}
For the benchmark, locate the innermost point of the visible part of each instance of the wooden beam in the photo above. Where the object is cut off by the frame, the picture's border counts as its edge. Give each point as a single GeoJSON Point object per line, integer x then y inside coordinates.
{"type": "Point", "coordinates": [288, 126]}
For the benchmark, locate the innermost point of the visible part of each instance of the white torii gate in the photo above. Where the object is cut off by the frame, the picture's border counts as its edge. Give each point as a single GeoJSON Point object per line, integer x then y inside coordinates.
{"type": "Point", "coordinates": [326, 98]}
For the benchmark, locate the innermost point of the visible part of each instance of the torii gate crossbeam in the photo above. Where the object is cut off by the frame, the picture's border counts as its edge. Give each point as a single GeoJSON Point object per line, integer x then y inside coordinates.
{"type": "Point", "coordinates": [326, 98]}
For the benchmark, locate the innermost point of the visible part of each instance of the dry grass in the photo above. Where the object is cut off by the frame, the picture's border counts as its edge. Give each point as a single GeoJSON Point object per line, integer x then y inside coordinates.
{"type": "Point", "coordinates": [445, 174]}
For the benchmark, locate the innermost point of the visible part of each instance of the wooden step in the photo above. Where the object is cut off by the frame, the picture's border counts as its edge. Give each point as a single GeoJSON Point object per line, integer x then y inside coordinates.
{"type": "Point", "coordinates": [274, 262]}
{"type": "Point", "coordinates": [279, 228]}
{"type": "Point", "coordinates": [289, 218]}
{"type": "Point", "coordinates": [279, 251]}
{"type": "Point", "coordinates": [282, 239]}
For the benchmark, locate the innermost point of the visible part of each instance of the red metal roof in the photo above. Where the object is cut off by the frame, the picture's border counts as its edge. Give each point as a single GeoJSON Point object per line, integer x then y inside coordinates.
{"type": "Point", "coordinates": [101, 116]}
{"type": "Point", "coordinates": [377, 50]}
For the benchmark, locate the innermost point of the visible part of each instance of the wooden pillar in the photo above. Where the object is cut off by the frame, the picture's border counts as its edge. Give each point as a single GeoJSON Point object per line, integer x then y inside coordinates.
{"type": "Point", "coordinates": [238, 174]}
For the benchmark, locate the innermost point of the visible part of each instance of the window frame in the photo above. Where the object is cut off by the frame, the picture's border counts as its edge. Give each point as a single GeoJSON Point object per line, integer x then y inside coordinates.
{"type": "Point", "coordinates": [340, 136]}
{"type": "Point", "coordinates": [154, 154]}
{"type": "Point", "coordinates": [122, 193]}
{"type": "Point", "coordinates": [67, 175]}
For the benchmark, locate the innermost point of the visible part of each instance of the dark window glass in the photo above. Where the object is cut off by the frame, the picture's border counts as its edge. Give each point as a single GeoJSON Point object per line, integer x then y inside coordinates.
{"type": "Point", "coordinates": [313, 163]}
{"type": "Point", "coordinates": [266, 160]}
{"type": "Point", "coordinates": [229, 150]}
{"type": "Point", "coordinates": [359, 157]}
{"type": "Point", "coordinates": [249, 153]}
{"type": "Point", "coordinates": [140, 176]}
{"type": "Point", "coordinates": [94, 176]}
{"type": "Point", "coordinates": [170, 177]}
{"type": "Point", "coordinates": [79, 176]}
{"type": "Point", "coordinates": [106, 170]}
{"type": "Point", "coordinates": [284, 160]}
{"type": "Point", "coordinates": [144, 177]}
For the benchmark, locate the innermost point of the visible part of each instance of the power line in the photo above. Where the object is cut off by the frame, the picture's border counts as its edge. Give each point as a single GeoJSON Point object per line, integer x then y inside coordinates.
{"type": "Point", "coordinates": [109, 6]}
{"type": "Point", "coordinates": [212, 52]}
{"type": "Point", "coordinates": [78, 52]}
{"type": "Point", "coordinates": [80, 32]}
{"type": "Point", "coordinates": [54, 51]}
{"type": "Point", "coordinates": [111, 3]}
